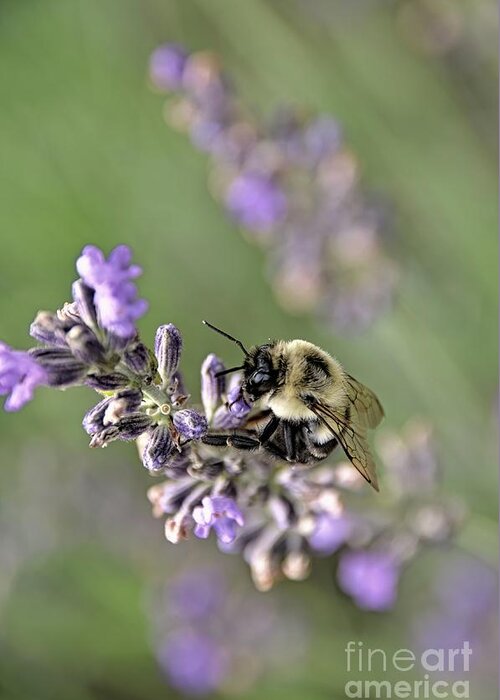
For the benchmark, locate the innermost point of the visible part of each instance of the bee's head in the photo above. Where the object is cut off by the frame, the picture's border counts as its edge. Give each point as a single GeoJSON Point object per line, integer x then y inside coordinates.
{"type": "Point", "coordinates": [259, 375]}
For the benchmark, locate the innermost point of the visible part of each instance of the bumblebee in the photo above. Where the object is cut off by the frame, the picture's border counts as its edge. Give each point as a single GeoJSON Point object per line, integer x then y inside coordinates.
{"type": "Point", "coordinates": [306, 403]}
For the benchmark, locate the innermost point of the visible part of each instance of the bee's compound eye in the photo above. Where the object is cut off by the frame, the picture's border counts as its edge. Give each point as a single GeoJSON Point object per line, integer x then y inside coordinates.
{"type": "Point", "coordinates": [259, 382]}
{"type": "Point", "coordinates": [260, 377]}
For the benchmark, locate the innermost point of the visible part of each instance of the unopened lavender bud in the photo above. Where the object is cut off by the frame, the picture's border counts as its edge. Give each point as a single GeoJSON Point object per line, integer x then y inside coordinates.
{"type": "Point", "coordinates": [83, 297]}
{"type": "Point", "coordinates": [296, 566]}
{"type": "Point", "coordinates": [48, 329]}
{"type": "Point", "coordinates": [93, 420]}
{"type": "Point", "coordinates": [265, 572]}
{"type": "Point", "coordinates": [177, 528]}
{"type": "Point", "coordinates": [191, 424]}
{"type": "Point", "coordinates": [133, 397]}
{"type": "Point", "coordinates": [168, 496]}
{"type": "Point", "coordinates": [84, 345]}
{"type": "Point", "coordinates": [127, 401]}
{"type": "Point", "coordinates": [212, 386]}
{"type": "Point", "coordinates": [140, 360]}
{"type": "Point", "coordinates": [168, 347]}
{"type": "Point", "coordinates": [103, 437]}
{"type": "Point", "coordinates": [61, 367]}
{"type": "Point", "coordinates": [158, 448]}
{"type": "Point", "coordinates": [107, 382]}
{"type": "Point", "coordinates": [133, 426]}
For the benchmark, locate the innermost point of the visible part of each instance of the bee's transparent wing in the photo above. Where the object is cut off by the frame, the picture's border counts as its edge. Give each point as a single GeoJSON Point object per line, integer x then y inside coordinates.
{"type": "Point", "coordinates": [352, 439]}
{"type": "Point", "coordinates": [368, 409]}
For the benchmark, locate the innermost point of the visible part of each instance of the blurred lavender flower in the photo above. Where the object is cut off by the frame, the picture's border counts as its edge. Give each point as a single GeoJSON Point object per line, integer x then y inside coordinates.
{"type": "Point", "coordinates": [370, 577]}
{"type": "Point", "coordinates": [464, 607]}
{"type": "Point", "coordinates": [194, 664]}
{"type": "Point", "coordinates": [167, 65]}
{"type": "Point", "coordinates": [292, 182]}
{"type": "Point", "coordinates": [203, 646]}
{"type": "Point", "coordinates": [330, 533]}
{"type": "Point", "coordinates": [256, 202]}
{"type": "Point", "coordinates": [20, 374]}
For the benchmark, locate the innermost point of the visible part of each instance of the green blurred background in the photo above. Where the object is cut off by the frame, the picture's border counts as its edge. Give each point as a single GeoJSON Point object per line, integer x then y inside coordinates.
{"type": "Point", "coordinates": [86, 157]}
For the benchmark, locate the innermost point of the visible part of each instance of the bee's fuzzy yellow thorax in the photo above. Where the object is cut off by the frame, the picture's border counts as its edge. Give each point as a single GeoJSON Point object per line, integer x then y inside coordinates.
{"type": "Point", "coordinates": [305, 370]}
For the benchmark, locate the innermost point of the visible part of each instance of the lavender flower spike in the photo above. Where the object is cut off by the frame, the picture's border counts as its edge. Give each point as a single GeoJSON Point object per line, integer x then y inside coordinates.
{"type": "Point", "coordinates": [218, 512]}
{"type": "Point", "coordinates": [20, 374]}
{"type": "Point", "coordinates": [115, 295]}
{"type": "Point", "coordinates": [168, 346]}
{"type": "Point", "coordinates": [190, 424]}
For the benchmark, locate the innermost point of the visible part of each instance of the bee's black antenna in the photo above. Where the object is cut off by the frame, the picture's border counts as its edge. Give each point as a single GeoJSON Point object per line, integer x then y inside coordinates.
{"type": "Point", "coordinates": [223, 372]}
{"type": "Point", "coordinates": [226, 335]}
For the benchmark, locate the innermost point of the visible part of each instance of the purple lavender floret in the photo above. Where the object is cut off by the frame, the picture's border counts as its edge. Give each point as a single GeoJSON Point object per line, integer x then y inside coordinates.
{"type": "Point", "coordinates": [115, 296]}
{"type": "Point", "coordinates": [329, 533]}
{"type": "Point", "coordinates": [256, 201]}
{"type": "Point", "coordinates": [166, 66]}
{"type": "Point", "coordinates": [20, 375]}
{"type": "Point", "coordinates": [237, 404]}
{"type": "Point", "coordinates": [233, 413]}
{"type": "Point", "coordinates": [95, 270]}
{"type": "Point", "coordinates": [191, 424]}
{"type": "Point", "coordinates": [194, 662]}
{"type": "Point", "coordinates": [370, 578]}
{"type": "Point", "coordinates": [218, 512]}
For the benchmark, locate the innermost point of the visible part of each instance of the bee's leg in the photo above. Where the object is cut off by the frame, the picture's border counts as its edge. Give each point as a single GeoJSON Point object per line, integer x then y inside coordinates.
{"type": "Point", "coordinates": [242, 441]}
{"type": "Point", "coordinates": [294, 441]}
{"type": "Point", "coordinates": [269, 430]}
{"type": "Point", "coordinates": [298, 444]}
{"type": "Point", "coordinates": [247, 442]}
{"type": "Point", "coordinates": [215, 439]}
